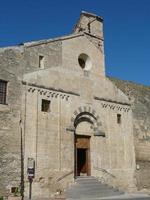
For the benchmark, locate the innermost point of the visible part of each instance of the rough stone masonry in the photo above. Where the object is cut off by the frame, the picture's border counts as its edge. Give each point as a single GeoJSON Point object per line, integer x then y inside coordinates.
{"type": "Point", "coordinates": [62, 117]}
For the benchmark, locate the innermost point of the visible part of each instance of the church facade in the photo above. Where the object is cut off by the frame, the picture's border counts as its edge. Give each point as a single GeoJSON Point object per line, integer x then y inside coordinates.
{"type": "Point", "coordinates": [61, 117]}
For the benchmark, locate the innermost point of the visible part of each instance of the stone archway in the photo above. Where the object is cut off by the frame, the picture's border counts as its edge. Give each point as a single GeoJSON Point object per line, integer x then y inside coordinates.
{"type": "Point", "coordinates": [90, 125]}
{"type": "Point", "coordinates": [88, 114]}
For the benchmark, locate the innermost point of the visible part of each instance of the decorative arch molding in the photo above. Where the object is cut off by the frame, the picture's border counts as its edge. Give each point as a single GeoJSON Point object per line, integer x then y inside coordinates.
{"type": "Point", "coordinates": [86, 113]}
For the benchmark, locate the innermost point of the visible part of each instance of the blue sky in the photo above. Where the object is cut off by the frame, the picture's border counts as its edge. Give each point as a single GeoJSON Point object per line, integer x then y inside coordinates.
{"type": "Point", "coordinates": [126, 29]}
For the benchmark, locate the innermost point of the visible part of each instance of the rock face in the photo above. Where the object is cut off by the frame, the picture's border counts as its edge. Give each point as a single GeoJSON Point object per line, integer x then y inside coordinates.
{"type": "Point", "coordinates": [139, 96]}
{"type": "Point", "coordinates": [64, 118]}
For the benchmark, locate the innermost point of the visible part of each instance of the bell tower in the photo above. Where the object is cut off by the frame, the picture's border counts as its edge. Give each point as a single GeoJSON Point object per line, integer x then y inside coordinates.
{"type": "Point", "coordinates": [90, 24]}
{"type": "Point", "coordinates": [84, 51]}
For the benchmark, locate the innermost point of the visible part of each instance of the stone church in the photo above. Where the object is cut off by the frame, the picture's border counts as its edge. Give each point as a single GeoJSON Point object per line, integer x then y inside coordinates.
{"type": "Point", "coordinates": [61, 117]}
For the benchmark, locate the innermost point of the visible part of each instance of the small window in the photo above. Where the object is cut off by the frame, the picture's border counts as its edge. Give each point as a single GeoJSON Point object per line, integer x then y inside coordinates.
{"type": "Point", "coordinates": [85, 62]}
{"type": "Point", "coordinates": [14, 190]}
{"type": "Point", "coordinates": [3, 91]}
{"type": "Point", "coordinates": [45, 105]}
{"type": "Point", "coordinates": [41, 62]}
{"type": "Point", "coordinates": [119, 118]}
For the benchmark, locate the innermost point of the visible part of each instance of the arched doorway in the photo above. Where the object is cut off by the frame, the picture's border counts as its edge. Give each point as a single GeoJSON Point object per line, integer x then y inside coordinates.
{"type": "Point", "coordinates": [86, 124]}
{"type": "Point", "coordinates": [83, 132]}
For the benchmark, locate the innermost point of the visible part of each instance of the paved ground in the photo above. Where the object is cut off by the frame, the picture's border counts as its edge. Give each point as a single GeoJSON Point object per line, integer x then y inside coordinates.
{"type": "Point", "coordinates": [90, 188]}
{"type": "Point", "coordinates": [144, 198]}
{"type": "Point", "coordinates": [123, 197]}
{"type": "Point", "coordinates": [128, 196]}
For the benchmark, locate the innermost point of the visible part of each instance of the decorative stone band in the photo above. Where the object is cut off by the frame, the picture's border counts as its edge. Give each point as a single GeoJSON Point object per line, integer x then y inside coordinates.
{"type": "Point", "coordinates": [50, 88]}
{"type": "Point", "coordinates": [114, 105]}
{"type": "Point", "coordinates": [49, 91]}
{"type": "Point", "coordinates": [86, 113]}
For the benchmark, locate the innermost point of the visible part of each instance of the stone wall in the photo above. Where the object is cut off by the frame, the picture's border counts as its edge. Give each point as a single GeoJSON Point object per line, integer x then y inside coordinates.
{"type": "Point", "coordinates": [50, 50]}
{"type": "Point", "coordinates": [47, 136]}
{"type": "Point", "coordinates": [10, 120]}
{"type": "Point", "coordinates": [139, 96]}
{"type": "Point", "coordinates": [48, 141]}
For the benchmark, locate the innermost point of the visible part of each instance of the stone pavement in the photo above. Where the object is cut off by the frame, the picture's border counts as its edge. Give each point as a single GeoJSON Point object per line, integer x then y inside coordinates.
{"type": "Point", "coordinates": [120, 197]}
{"type": "Point", "coordinates": [90, 188]}
{"type": "Point", "coordinates": [127, 196]}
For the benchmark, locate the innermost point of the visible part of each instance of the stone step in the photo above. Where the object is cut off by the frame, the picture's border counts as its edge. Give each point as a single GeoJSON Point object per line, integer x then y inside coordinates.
{"type": "Point", "coordinates": [90, 188]}
{"type": "Point", "coordinates": [86, 180]}
{"type": "Point", "coordinates": [91, 183]}
{"type": "Point", "coordinates": [82, 188]}
{"type": "Point", "coordinates": [93, 193]}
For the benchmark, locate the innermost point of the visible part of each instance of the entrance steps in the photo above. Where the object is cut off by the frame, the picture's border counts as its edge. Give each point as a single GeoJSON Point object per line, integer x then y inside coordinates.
{"type": "Point", "coordinates": [88, 187]}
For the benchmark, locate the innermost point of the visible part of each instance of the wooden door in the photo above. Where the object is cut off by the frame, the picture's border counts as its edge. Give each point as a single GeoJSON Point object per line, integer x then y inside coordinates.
{"type": "Point", "coordinates": [82, 156]}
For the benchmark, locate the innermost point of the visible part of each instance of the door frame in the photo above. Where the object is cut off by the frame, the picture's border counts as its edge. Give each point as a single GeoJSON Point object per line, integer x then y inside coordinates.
{"type": "Point", "coordinates": [88, 157]}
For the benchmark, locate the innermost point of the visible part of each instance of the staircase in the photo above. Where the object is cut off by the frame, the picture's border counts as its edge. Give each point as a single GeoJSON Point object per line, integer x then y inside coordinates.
{"type": "Point", "coordinates": [90, 188]}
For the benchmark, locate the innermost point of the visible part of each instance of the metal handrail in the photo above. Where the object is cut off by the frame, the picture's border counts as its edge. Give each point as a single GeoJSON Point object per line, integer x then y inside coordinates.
{"type": "Point", "coordinates": [104, 170]}
{"type": "Point", "coordinates": [64, 176]}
